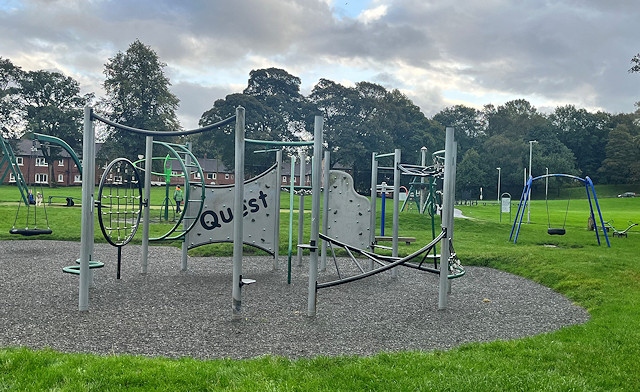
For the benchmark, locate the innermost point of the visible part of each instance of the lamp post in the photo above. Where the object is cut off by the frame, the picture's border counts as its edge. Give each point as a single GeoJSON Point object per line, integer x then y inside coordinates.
{"type": "Point", "coordinates": [529, 201]}
{"type": "Point", "coordinates": [499, 170]}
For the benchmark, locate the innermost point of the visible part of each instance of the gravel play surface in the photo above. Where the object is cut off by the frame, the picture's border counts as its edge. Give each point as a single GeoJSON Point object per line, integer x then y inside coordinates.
{"type": "Point", "coordinates": [175, 314]}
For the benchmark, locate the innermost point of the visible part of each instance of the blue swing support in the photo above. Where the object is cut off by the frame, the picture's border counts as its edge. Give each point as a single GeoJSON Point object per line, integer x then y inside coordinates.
{"type": "Point", "coordinates": [591, 196]}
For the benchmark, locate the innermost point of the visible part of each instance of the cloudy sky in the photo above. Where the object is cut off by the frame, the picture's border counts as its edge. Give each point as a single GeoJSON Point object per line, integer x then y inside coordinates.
{"type": "Point", "coordinates": [437, 52]}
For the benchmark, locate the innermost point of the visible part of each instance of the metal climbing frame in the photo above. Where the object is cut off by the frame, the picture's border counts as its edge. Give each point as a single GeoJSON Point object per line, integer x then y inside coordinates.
{"type": "Point", "coordinates": [189, 165]}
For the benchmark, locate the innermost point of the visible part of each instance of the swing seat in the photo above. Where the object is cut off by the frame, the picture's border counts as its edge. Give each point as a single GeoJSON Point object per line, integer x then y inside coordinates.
{"type": "Point", "coordinates": [552, 231]}
{"type": "Point", "coordinates": [30, 232]}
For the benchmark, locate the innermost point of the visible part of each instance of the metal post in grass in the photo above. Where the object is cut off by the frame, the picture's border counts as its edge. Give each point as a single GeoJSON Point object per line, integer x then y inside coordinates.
{"type": "Point", "coordinates": [447, 216]}
{"type": "Point", "coordinates": [146, 212]}
{"type": "Point", "coordinates": [238, 205]}
{"type": "Point", "coordinates": [87, 222]}
{"type": "Point", "coordinates": [396, 207]}
{"type": "Point", "coordinates": [315, 214]}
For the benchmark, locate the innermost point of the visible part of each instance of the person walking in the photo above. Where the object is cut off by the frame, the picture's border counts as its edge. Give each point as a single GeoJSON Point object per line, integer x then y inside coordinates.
{"type": "Point", "coordinates": [178, 197]}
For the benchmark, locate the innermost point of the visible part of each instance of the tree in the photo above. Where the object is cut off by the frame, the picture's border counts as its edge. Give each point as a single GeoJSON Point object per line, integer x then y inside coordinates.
{"type": "Point", "coordinates": [10, 115]}
{"type": "Point", "coordinates": [137, 95]}
{"type": "Point", "coordinates": [619, 167]}
{"type": "Point", "coordinates": [280, 91]}
{"type": "Point", "coordinates": [468, 123]}
{"type": "Point", "coordinates": [54, 106]}
{"type": "Point", "coordinates": [584, 133]}
{"type": "Point", "coordinates": [261, 123]}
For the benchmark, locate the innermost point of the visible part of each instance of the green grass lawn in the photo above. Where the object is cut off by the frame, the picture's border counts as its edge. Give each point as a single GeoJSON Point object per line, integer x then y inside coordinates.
{"type": "Point", "coordinates": [601, 355]}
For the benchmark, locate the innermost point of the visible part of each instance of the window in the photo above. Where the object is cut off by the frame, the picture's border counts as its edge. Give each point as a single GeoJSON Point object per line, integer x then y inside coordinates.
{"type": "Point", "coordinates": [40, 161]}
{"type": "Point", "coordinates": [226, 176]}
{"type": "Point", "coordinates": [19, 161]}
{"type": "Point", "coordinates": [60, 177]}
{"type": "Point", "coordinates": [12, 178]}
{"type": "Point", "coordinates": [196, 175]}
{"type": "Point", "coordinates": [60, 162]}
{"type": "Point", "coordinates": [42, 178]}
{"type": "Point", "coordinates": [284, 179]}
{"type": "Point", "coordinates": [211, 176]}
{"type": "Point", "coordinates": [77, 178]}
{"type": "Point", "coordinates": [175, 173]}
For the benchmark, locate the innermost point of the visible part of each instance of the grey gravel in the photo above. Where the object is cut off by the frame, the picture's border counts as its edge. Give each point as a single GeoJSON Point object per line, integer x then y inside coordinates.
{"type": "Point", "coordinates": [176, 314]}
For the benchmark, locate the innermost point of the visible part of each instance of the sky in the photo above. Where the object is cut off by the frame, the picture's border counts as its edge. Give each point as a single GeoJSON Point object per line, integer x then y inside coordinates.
{"type": "Point", "coordinates": [439, 53]}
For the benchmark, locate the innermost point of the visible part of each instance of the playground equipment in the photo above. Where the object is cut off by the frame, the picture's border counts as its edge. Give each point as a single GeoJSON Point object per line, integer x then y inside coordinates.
{"type": "Point", "coordinates": [449, 266]}
{"type": "Point", "coordinates": [119, 204]}
{"type": "Point", "coordinates": [619, 233]}
{"type": "Point", "coordinates": [248, 200]}
{"type": "Point", "coordinates": [30, 197]}
{"type": "Point", "coordinates": [590, 191]}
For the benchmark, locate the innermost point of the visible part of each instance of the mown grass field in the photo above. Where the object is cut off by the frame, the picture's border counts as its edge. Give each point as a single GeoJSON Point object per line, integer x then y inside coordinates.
{"type": "Point", "coordinates": [601, 355]}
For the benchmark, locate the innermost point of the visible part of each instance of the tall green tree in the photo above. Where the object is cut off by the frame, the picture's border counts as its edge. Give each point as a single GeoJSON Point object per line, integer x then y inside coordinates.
{"type": "Point", "coordinates": [261, 123]}
{"type": "Point", "coordinates": [53, 105]}
{"type": "Point", "coordinates": [584, 133]}
{"type": "Point", "coordinates": [280, 91]}
{"type": "Point", "coordinates": [137, 95]}
{"type": "Point", "coordinates": [10, 114]}
{"type": "Point", "coordinates": [621, 164]}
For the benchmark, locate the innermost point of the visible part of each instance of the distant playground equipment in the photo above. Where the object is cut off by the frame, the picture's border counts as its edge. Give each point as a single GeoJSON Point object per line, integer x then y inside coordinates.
{"type": "Point", "coordinates": [31, 196]}
{"type": "Point", "coordinates": [616, 232]}
{"type": "Point", "coordinates": [591, 193]}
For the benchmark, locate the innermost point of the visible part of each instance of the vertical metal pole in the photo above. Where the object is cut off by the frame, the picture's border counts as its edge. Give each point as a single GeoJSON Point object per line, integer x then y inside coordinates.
{"type": "Point", "coordinates": [238, 205]}
{"type": "Point", "coordinates": [291, 189]}
{"type": "Point", "coordinates": [146, 211]}
{"type": "Point", "coordinates": [447, 217]}
{"type": "Point", "coordinates": [88, 189]}
{"type": "Point", "coordinates": [276, 234]}
{"type": "Point", "coordinates": [185, 238]}
{"type": "Point", "coordinates": [499, 172]}
{"type": "Point", "coordinates": [423, 162]}
{"type": "Point", "coordinates": [325, 207]}
{"type": "Point", "coordinates": [315, 214]}
{"type": "Point", "coordinates": [303, 169]}
{"type": "Point", "coordinates": [396, 207]}
{"type": "Point", "coordinates": [546, 184]}
{"type": "Point", "coordinates": [373, 205]}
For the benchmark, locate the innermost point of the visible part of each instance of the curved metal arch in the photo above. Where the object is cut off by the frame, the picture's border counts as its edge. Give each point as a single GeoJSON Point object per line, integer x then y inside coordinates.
{"type": "Point", "coordinates": [172, 148]}
{"type": "Point", "coordinates": [147, 132]}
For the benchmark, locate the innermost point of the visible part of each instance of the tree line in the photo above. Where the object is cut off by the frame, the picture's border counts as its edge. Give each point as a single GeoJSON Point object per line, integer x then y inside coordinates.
{"type": "Point", "coordinates": [358, 120]}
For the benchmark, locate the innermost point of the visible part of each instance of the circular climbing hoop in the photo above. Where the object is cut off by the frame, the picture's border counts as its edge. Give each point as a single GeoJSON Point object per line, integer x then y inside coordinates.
{"type": "Point", "coordinates": [119, 202]}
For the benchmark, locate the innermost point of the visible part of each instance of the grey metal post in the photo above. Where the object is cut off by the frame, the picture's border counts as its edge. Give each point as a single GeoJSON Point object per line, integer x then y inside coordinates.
{"type": "Point", "coordinates": [374, 201]}
{"type": "Point", "coordinates": [146, 211]}
{"type": "Point", "coordinates": [325, 207]}
{"type": "Point", "coordinates": [315, 214]}
{"type": "Point", "coordinates": [303, 169]}
{"type": "Point", "coordinates": [87, 229]}
{"type": "Point", "coordinates": [185, 238]}
{"type": "Point", "coordinates": [276, 234]}
{"type": "Point", "coordinates": [238, 205]}
{"type": "Point", "coordinates": [423, 162]}
{"type": "Point", "coordinates": [396, 207]}
{"type": "Point", "coordinates": [447, 216]}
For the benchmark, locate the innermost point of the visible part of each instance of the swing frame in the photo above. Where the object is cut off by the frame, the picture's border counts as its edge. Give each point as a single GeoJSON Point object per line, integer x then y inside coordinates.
{"type": "Point", "coordinates": [591, 196]}
{"type": "Point", "coordinates": [31, 231]}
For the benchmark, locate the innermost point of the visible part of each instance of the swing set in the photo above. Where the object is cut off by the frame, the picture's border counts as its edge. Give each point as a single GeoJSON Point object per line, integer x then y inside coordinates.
{"type": "Point", "coordinates": [591, 196]}
{"type": "Point", "coordinates": [32, 203]}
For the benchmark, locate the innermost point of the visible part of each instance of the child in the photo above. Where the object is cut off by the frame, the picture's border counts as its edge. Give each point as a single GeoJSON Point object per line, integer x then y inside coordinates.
{"type": "Point", "coordinates": [38, 199]}
{"type": "Point", "coordinates": [177, 196]}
